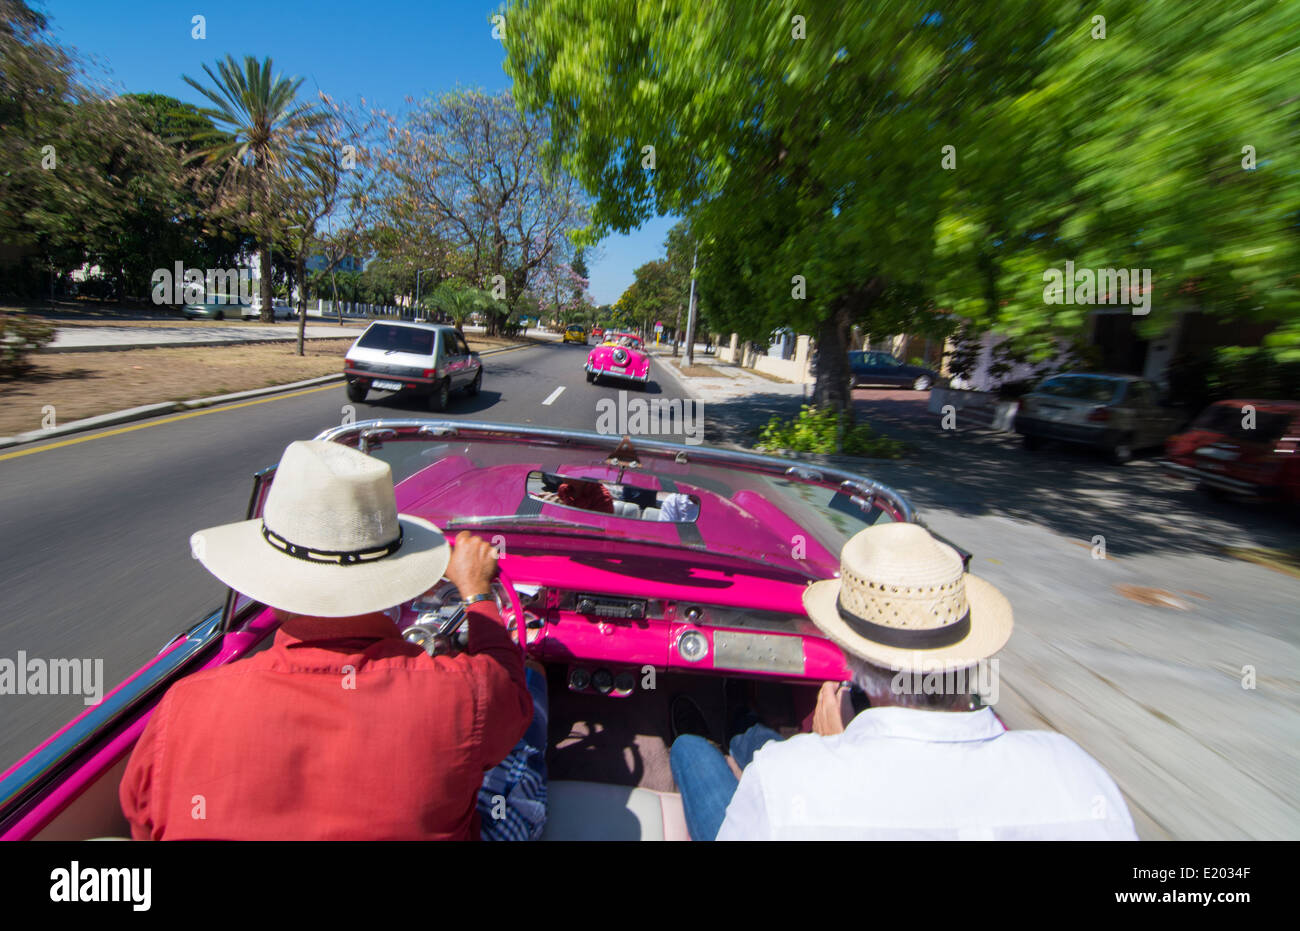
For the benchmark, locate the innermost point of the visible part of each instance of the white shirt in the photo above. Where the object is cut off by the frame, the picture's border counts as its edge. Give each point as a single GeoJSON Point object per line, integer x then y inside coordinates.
{"type": "Point", "coordinates": [911, 774]}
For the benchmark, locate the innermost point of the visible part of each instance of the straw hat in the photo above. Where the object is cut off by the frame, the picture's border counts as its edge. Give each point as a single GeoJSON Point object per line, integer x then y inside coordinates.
{"type": "Point", "coordinates": [904, 602]}
{"type": "Point", "coordinates": [330, 542]}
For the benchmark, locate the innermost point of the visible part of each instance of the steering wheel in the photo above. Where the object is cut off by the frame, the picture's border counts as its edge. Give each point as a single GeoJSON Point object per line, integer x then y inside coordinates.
{"type": "Point", "coordinates": [503, 592]}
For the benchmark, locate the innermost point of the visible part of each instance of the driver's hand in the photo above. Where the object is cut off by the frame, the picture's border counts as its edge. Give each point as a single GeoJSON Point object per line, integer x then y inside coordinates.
{"type": "Point", "coordinates": [833, 709]}
{"type": "Point", "coordinates": [473, 565]}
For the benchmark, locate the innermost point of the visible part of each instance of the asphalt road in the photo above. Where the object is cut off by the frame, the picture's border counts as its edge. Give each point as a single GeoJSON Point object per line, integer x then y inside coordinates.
{"type": "Point", "coordinates": [94, 528]}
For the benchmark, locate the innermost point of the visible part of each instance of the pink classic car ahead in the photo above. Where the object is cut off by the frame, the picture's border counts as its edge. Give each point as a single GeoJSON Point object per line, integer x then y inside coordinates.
{"type": "Point", "coordinates": [621, 355]}
{"type": "Point", "coordinates": [634, 574]}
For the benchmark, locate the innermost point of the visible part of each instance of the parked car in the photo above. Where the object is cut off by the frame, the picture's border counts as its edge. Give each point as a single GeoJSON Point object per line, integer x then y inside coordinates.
{"type": "Point", "coordinates": [598, 332]}
{"type": "Point", "coordinates": [621, 355]}
{"type": "Point", "coordinates": [1118, 413]}
{"type": "Point", "coordinates": [880, 368]}
{"type": "Point", "coordinates": [212, 310]}
{"type": "Point", "coordinates": [280, 310]}
{"type": "Point", "coordinates": [1242, 446]}
{"type": "Point", "coordinates": [421, 358]}
{"type": "Point", "coordinates": [575, 334]}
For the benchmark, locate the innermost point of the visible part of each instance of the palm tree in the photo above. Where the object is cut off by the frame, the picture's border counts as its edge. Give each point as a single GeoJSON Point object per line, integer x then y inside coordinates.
{"type": "Point", "coordinates": [263, 138]}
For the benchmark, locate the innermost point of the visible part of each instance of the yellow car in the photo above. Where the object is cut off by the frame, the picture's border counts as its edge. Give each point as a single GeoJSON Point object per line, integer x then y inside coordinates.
{"type": "Point", "coordinates": [575, 334]}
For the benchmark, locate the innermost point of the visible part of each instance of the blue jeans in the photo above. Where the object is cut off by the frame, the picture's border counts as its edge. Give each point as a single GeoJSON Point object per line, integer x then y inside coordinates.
{"type": "Point", "coordinates": [512, 800]}
{"type": "Point", "coordinates": [706, 781]}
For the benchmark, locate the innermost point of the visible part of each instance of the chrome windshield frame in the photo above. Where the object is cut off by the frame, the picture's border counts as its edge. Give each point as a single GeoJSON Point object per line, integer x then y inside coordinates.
{"type": "Point", "coordinates": [367, 435]}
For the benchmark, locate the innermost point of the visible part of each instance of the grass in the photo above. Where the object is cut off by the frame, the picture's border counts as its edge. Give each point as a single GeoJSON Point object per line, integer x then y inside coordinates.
{"type": "Point", "coordinates": [85, 384]}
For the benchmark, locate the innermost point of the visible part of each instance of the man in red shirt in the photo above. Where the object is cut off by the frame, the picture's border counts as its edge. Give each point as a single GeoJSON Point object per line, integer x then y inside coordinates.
{"type": "Point", "coordinates": [341, 730]}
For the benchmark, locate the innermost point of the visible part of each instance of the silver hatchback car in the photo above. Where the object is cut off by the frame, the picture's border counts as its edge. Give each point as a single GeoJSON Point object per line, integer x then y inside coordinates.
{"type": "Point", "coordinates": [1117, 413]}
{"type": "Point", "coordinates": [420, 358]}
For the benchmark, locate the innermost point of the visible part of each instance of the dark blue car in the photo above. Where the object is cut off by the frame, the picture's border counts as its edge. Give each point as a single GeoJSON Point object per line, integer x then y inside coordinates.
{"type": "Point", "coordinates": [882, 369]}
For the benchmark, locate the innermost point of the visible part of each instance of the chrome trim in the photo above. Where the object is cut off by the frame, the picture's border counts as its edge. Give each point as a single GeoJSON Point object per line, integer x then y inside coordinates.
{"type": "Point", "coordinates": [24, 783]}
{"type": "Point", "coordinates": [351, 434]}
{"type": "Point", "coordinates": [1209, 478]}
{"type": "Point", "coordinates": [805, 473]}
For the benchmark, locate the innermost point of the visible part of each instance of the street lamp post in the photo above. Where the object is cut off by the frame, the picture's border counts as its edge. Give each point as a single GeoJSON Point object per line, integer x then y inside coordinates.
{"type": "Point", "coordinates": [418, 273]}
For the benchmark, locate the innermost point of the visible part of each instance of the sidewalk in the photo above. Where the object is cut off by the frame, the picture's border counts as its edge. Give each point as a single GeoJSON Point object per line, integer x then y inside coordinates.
{"type": "Point", "coordinates": [724, 381]}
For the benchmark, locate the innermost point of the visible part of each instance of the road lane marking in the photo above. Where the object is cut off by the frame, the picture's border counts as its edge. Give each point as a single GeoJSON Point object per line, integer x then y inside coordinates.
{"type": "Point", "coordinates": [554, 394]}
{"type": "Point", "coordinates": [166, 420]}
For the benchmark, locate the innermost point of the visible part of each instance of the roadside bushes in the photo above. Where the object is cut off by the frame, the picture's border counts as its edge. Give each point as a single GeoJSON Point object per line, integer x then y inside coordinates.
{"type": "Point", "coordinates": [20, 336]}
{"type": "Point", "coordinates": [821, 430]}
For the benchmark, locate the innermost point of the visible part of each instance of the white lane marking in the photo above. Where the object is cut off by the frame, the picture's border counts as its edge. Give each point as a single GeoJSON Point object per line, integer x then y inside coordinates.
{"type": "Point", "coordinates": [554, 394]}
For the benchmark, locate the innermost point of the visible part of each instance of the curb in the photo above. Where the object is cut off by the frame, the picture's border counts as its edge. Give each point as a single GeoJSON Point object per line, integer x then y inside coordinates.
{"type": "Point", "coordinates": [126, 347]}
{"type": "Point", "coordinates": [171, 407]}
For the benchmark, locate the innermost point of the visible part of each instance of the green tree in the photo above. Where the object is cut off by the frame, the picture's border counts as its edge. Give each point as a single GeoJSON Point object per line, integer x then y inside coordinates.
{"type": "Point", "coordinates": [803, 150]}
{"type": "Point", "coordinates": [263, 141]}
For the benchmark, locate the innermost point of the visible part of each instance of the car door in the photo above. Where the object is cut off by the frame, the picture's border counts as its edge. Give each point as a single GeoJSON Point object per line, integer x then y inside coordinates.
{"type": "Point", "coordinates": [895, 373]}
{"type": "Point", "coordinates": [469, 364]}
{"type": "Point", "coordinates": [451, 362]}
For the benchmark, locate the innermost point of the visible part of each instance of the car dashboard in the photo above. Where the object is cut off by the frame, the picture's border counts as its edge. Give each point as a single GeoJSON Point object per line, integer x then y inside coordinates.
{"type": "Point", "coordinates": [610, 643]}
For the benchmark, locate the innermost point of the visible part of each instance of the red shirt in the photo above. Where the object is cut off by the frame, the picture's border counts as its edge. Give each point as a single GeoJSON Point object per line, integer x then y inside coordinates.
{"type": "Point", "coordinates": [289, 745]}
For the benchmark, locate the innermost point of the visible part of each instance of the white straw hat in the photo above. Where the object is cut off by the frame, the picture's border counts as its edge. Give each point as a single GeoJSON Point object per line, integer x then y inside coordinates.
{"type": "Point", "coordinates": [330, 542]}
{"type": "Point", "coordinates": [904, 602]}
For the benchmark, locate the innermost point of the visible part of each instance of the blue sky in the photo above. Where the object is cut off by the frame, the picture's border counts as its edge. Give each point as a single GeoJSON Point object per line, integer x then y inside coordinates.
{"type": "Point", "coordinates": [382, 50]}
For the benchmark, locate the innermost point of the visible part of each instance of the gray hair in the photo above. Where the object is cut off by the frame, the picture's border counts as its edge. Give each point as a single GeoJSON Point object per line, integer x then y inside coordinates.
{"type": "Point", "coordinates": [955, 690]}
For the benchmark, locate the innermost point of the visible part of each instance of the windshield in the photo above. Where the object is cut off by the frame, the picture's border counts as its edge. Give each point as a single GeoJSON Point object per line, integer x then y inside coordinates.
{"type": "Point", "coordinates": [768, 517]}
{"type": "Point", "coordinates": [1230, 420]}
{"type": "Point", "coordinates": [389, 338]}
{"type": "Point", "coordinates": [1081, 387]}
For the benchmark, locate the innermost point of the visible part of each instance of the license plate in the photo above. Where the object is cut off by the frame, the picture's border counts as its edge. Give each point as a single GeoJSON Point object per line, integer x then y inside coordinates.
{"type": "Point", "coordinates": [620, 369]}
{"type": "Point", "coordinates": [387, 385]}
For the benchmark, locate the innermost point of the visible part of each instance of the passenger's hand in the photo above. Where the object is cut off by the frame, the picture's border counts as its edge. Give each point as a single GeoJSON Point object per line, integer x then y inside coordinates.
{"type": "Point", "coordinates": [828, 718]}
{"type": "Point", "coordinates": [473, 565]}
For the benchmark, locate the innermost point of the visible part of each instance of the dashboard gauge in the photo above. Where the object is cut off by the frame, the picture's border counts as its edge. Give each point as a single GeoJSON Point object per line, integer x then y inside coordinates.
{"type": "Point", "coordinates": [603, 681]}
{"type": "Point", "coordinates": [624, 682]}
{"type": "Point", "coordinates": [579, 679]}
{"type": "Point", "coordinates": [692, 646]}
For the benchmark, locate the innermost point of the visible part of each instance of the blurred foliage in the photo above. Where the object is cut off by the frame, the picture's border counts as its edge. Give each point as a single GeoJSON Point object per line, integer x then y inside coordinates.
{"type": "Point", "coordinates": [822, 156]}
{"type": "Point", "coordinates": [19, 337]}
{"type": "Point", "coordinates": [823, 429]}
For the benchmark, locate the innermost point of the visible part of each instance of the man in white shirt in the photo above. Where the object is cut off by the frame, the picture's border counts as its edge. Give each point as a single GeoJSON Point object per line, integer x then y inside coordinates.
{"type": "Point", "coordinates": [925, 761]}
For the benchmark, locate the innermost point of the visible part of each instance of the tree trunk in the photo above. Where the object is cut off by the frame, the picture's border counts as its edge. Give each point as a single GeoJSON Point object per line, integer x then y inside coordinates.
{"type": "Point", "coordinates": [264, 264]}
{"type": "Point", "coordinates": [302, 298]}
{"type": "Point", "coordinates": [833, 373]}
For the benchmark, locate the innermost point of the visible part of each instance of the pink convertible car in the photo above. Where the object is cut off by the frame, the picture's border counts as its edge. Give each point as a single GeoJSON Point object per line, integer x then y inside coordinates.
{"type": "Point", "coordinates": [621, 355]}
{"type": "Point", "coordinates": [690, 583]}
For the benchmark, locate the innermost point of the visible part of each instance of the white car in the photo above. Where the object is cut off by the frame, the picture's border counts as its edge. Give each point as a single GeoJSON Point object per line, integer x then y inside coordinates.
{"type": "Point", "coordinates": [280, 310]}
{"type": "Point", "coordinates": [419, 358]}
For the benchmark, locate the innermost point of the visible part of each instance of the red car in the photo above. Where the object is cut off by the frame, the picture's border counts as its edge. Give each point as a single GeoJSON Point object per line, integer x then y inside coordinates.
{"type": "Point", "coordinates": [1242, 446]}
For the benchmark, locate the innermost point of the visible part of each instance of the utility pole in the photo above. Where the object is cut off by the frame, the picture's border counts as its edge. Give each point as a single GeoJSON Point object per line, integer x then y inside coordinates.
{"type": "Point", "coordinates": [690, 316]}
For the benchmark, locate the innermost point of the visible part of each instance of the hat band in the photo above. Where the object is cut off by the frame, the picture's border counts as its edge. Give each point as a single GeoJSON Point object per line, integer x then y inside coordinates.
{"type": "Point", "coordinates": [333, 557]}
{"type": "Point", "coordinates": [928, 638]}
